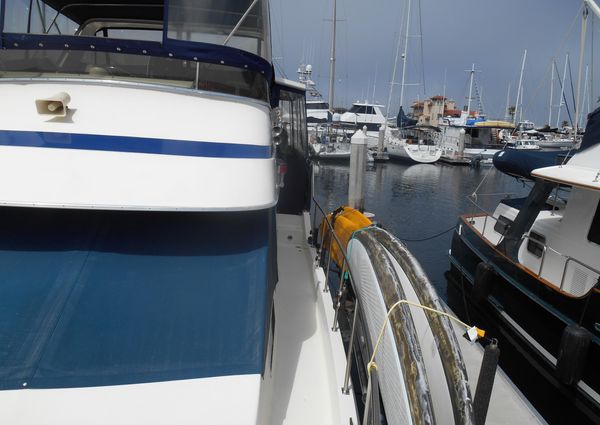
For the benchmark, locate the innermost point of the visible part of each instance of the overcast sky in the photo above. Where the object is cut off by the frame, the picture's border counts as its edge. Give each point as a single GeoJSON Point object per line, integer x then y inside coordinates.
{"type": "Point", "coordinates": [492, 34]}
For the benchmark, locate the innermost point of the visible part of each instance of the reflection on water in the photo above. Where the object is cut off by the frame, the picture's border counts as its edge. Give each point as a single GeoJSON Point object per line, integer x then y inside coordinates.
{"type": "Point", "coordinates": [418, 201]}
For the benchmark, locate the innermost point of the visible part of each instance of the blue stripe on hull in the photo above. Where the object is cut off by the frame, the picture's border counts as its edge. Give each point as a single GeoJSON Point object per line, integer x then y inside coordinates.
{"type": "Point", "coordinates": [98, 142]}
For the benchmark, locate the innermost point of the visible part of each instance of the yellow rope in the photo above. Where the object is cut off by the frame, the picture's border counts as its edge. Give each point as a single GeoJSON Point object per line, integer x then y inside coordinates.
{"type": "Point", "coordinates": [372, 365]}
{"type": "Point", "coordinates": [387, 318]}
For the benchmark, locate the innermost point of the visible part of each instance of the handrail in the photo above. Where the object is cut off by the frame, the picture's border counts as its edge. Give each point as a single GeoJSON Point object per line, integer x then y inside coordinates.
{"type": "Point", "coordinates": [335, 237]}
{"type": "Point", "coordinates": [346, 266]}
{"type": "Point", "coordinates": [545, 248]}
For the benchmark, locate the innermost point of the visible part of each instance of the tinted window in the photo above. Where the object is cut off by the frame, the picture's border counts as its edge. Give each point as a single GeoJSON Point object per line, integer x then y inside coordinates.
{"type": "Point", "coordinates": [362, 109]}
{"type": "Point", "coordinates": [535, 247]}
{"type": "Point", "coordinates": [150, 69]}
{"type": "Point", "coordinates": [594, 233]}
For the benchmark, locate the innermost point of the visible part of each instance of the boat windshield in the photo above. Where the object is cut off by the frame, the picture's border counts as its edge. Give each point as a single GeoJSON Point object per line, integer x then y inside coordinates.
{"type": "Point", "coordinates": [243, 24]}
{"type": "Point", "coordinates": [135, 68]}
{"type": "Point", "coordinates": [362, 109]}
{"type": "Point", "coordinates": [120, 40]}
{"type": "Point", "coordinates": [317, 105]}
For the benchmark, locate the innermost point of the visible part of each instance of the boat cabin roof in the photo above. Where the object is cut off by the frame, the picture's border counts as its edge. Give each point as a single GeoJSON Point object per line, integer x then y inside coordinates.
{"type": "Point", "coordinates": [574, 175]}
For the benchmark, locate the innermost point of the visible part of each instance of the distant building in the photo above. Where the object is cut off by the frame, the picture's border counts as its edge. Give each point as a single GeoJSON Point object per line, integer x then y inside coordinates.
{"type": "Point", "coordinates": [430, 111]}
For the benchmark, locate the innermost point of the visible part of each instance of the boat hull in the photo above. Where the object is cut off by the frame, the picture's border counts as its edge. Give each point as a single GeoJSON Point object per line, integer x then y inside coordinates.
{"type": "Point", "coordinates": [414, 154]}
{"type": "Point", "coordinates": [528, 318]}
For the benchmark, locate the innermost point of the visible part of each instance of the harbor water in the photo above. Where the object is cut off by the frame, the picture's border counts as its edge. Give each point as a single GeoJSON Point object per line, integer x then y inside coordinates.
{"type": "Point", "coordinates": [420, 204]}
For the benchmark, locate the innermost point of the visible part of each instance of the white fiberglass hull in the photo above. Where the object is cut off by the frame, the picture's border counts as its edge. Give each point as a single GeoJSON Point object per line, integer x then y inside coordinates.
{"type": "Point", "coordinates": [418, 154]}
{"type": "Point", "coordinates": [135, 154]}
{"type": "Point", "coordinates": [483, 153]}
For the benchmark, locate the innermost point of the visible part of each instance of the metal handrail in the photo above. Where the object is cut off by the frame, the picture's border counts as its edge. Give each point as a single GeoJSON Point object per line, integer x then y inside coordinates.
{"type": "Point", "coordinates": [545, 248]}
{"type": "Point", "coordinates": [335, 237]}
{"type": "Point", "coordinates": [346, 266]}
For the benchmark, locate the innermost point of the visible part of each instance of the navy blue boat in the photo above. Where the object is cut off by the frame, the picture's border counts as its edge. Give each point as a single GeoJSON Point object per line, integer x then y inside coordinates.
{"type": "Point", "coordinates": [529, 272]}
{"type": "Point", "coordinates": [521, 162]}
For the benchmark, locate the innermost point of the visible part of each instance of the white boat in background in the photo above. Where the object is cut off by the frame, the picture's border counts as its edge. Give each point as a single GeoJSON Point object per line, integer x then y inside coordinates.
{"type": "Point", "coordinates": [525, 144]}
{"type": "Point", "coordinates": [317, 109]}
{"type": "Point", "coordinates": [557, 143]}
{"type": "Point", "coordinates": [463, 140]}
{"type": "Point", "coordinates": [417, 145]}
{"type": "Point", "coordinates": [363, 114]}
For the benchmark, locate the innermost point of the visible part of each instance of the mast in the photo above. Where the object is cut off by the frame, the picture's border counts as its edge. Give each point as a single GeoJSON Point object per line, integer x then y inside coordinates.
{"type": "Point", "coordinates": [551, 93]}
{"type": "Point", "coordinates": [562, 90]}
{"type": "Point", "coordinates": [472, 71]}
{"type": "Point", "coordinates": [581, 53]}
{"type": "Point", "coordinates": [389, 102]}
{"type": "Point", "coordinates": [519, 93]}
{"type": "Point", "coordinates": [404, 54]}
{"type": "Point", "coordinates": [332, 58]}
{"type": "Point", "coordinates": [585, 96]}
{"type": "Point", "coordinates": [506, 114]}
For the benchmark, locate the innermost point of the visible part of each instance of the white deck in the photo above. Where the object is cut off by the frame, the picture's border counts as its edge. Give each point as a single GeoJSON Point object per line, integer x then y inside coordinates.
{"type": "Point", "coordinates": [309, 358]}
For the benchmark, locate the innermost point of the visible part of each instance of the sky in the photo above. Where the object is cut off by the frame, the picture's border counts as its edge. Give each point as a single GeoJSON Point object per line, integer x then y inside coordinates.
{"type": "Point", "coordinates": [454, 34]}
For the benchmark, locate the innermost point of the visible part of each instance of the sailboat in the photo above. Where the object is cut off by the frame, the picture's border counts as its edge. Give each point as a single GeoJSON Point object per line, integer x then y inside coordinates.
{"type": "Point", "coordinates": [408, 142]}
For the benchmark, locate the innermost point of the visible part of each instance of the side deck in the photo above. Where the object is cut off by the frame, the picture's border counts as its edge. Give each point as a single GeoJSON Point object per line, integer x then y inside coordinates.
{"type": "Point", "coordinates": [309, 358]}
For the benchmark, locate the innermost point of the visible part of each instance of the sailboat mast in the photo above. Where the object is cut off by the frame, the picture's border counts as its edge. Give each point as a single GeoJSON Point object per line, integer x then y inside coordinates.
{"type": "Point", "coordinates": [389, 102]}
{"type": "Point", "coordinates": [506, 115]}
{"type": "Point", "coordinates": [579, 76]}
{"type": "Point", "coordinates": [519, 93]}
{"type": "Point", "coordinates": [470, 88]}
{"type": "Point", "coordinates": [405, 54]}
{"type": "Point", "coordinates": [562, 90]}
{"type": "Point", "coordinates": [332, 58]}
{"type": "Point", "coordinates": [551, 93]}
{"type": "Point", "coordinates": [585, 96]}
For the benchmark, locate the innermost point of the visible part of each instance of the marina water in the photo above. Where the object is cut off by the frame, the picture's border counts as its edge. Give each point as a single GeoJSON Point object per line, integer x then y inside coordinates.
{"type": "Point", "coordinates": [420, 204]}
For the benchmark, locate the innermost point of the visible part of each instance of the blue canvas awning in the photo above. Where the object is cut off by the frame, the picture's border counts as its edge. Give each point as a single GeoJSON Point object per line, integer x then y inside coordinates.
{"type": "Point", "coordinates": [102, 297]}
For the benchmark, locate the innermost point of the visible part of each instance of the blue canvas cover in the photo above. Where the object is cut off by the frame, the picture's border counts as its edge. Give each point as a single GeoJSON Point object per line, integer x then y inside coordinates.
{"type": "Point", "coordinates": [93, 298]}
{"type": "Point", "coordinates": [521, 162]}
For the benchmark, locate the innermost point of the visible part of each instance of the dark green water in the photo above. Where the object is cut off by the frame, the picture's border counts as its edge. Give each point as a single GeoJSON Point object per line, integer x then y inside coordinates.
{"type": "Point", "coordinates": [419, 201]}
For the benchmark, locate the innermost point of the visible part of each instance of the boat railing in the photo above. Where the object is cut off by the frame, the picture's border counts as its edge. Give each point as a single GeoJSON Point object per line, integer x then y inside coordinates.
{"type": "Point", "coordinates": [568, 259]}
{"type": "Point", "coordinates": [345, 268]}
{"type": "Point", "coordinates": [485, 213]}
{"type": "Point", "coordinates": [544, 246]}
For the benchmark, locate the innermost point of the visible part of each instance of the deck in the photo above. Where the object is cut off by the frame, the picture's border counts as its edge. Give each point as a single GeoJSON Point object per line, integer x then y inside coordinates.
{"type": "Point", "coordinates": [309, 359]}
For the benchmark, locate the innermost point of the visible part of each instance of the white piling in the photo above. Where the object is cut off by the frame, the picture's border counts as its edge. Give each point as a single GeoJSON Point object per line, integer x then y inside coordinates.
{"type": "Point", "coordinates": [358, 164]}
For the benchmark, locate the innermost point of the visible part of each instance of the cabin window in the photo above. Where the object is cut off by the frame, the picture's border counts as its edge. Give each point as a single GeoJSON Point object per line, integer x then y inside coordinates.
{"type": "Point", "coordinates": [135, 68]}
{"type": "Point", "coordinates": [536, 243]}
{"type": "Point", "coordinates": [362, 109]}
{"type": "Point", "coordinates": [293, 116]}
{"type": "Point", "coordinates": [594, 233]}
{"type": "Point", "coordinates": [502, 224]}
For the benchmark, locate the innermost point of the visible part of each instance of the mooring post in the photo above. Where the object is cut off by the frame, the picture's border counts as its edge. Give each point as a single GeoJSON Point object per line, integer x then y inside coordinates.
{"type": "Point", "coordinates": [358, 163]}
{"type": "Point", "coordinates": [380, 141]}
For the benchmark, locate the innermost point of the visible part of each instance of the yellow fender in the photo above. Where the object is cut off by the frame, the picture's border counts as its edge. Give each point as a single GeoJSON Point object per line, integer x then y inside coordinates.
{"type": "Point", "coordinates": [345, 221]}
